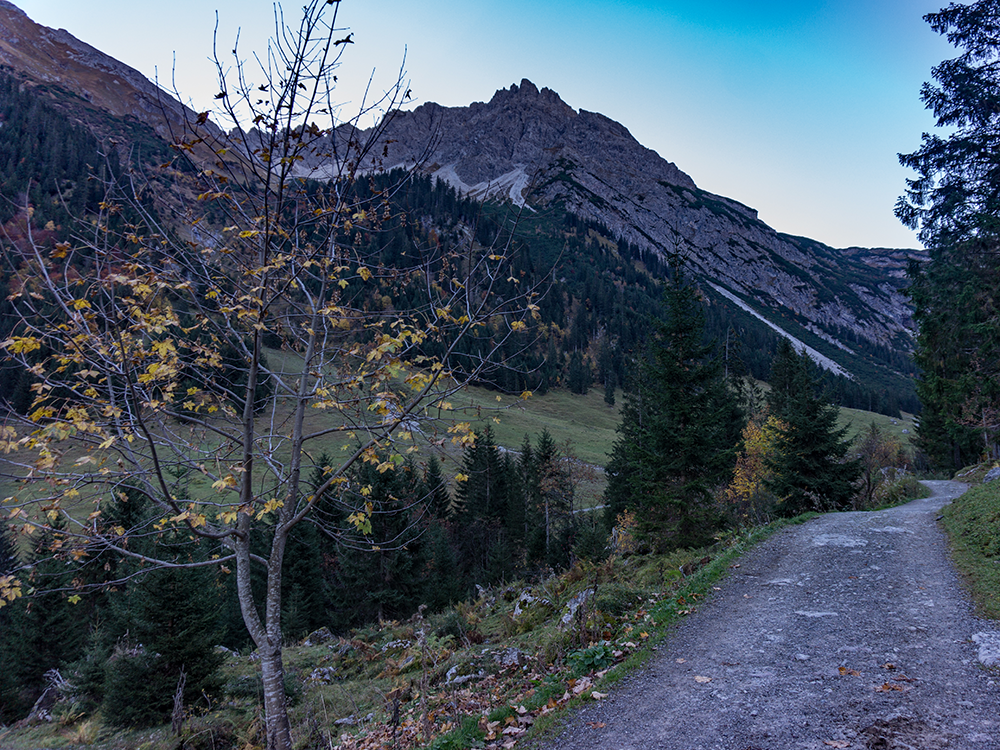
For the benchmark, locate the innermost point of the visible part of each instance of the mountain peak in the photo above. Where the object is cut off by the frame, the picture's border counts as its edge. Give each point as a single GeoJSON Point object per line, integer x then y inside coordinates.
{"type": "Point", "coordinates": [528, 94]}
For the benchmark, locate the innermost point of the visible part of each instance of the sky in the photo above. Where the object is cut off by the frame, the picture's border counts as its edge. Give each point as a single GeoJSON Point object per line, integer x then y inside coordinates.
{"type": "Point", "coordinates": [797, 108]}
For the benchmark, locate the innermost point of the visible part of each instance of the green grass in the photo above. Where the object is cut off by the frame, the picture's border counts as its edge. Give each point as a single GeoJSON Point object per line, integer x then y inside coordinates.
{"type": "Point", "coordinates": [583, 426]}
{"type": "Point", "coordinates": [973, 525]}
{"type": "Point", "coordinates": [857, 421]}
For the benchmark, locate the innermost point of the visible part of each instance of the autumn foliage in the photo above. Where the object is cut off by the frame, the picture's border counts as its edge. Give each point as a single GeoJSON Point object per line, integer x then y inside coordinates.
{"type": "Point", "coordinates": [748, 498]}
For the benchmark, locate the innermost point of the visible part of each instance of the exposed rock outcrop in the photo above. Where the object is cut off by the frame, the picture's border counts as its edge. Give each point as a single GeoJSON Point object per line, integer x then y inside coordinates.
{"type": "Point", "coordinates": [527, 145]}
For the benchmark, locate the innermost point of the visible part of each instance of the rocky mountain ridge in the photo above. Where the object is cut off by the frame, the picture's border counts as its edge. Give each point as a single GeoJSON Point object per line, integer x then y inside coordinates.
{"type": "Point", "coordinates": [527, 145]}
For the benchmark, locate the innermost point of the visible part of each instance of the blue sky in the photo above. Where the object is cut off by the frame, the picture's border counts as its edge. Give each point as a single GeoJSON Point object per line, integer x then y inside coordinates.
{"type": "Point", "coordinates": [795, 108]}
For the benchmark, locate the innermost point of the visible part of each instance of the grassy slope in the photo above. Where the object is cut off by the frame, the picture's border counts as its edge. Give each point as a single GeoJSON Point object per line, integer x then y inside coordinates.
{"type": "Point", "coordinates": [973, 525]}
{"type": "Point", "coordinates": [352, 676]}
{"type": "Point", "coordinates": [857, 421]}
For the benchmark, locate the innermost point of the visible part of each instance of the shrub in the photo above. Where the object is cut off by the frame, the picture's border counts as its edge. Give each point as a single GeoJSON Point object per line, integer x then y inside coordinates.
{"type": "Point", "coordinates": [592, 659]}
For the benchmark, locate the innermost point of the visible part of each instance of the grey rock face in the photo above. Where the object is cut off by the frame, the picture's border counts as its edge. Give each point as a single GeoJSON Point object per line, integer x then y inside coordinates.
{"type": "Point", "coordinates": [528, 145]}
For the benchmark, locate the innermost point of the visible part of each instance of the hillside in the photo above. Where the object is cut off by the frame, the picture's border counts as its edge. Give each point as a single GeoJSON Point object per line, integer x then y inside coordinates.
{"type": "Point", "coordinates": [573, 171]}
{"type": "Point", "coordinates": [528, 146]}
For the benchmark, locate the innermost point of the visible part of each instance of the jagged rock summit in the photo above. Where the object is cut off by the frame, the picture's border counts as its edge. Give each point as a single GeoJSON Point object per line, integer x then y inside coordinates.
{"type": "Point", "coordinates": [527, 145]}
{"type": "Point", "coordinates": [500, 148]}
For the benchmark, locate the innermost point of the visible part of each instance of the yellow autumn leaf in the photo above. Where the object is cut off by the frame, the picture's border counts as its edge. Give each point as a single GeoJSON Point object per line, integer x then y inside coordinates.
{"type": "Point", "coordinates": [10, 589]}
{"type": "Point", "coordinates": [227, 482]}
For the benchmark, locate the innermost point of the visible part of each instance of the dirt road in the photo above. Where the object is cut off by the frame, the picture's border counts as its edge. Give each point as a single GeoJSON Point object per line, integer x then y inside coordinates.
{"type": "Point", "coordinates": [850, 631]}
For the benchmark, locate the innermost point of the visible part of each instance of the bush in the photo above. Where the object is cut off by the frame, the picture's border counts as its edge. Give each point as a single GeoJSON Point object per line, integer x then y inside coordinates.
{"type": "Point", "coordinates": [898, 489]}
{"type": "Point", "coordinates": [614, 599]}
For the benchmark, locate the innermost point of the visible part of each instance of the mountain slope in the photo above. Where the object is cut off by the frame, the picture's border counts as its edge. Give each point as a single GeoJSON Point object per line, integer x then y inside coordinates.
{"type": "Point", "coordinates": [528, 145]}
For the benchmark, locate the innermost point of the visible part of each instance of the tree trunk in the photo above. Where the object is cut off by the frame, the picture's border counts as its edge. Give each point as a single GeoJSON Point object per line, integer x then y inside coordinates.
{"type": "Point", "coordinates": [279, 730]}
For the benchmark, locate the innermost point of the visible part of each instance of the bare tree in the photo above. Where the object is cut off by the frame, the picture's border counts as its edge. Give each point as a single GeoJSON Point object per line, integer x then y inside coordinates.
{"type": "Point", "coordinates": [237, 344]}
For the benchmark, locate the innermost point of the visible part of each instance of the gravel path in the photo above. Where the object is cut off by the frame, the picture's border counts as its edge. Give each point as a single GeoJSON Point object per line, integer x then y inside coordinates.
{"type": "Point", "coordinates": [849, 631]}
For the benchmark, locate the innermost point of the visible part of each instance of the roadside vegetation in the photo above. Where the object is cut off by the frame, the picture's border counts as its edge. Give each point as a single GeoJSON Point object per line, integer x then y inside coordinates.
{"type": "Point", "coordinates": [973, 525]}
{"type": "Point", "coordinates": [482, 673]}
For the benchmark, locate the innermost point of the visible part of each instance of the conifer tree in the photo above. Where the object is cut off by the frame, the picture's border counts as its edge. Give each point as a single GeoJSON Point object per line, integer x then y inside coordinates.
{"type": "Point", "coordinates": [579, 376]}
{"type": "Point", "coordinates": [378, 582]}
{"type": "Point", "coordinates": [954, 203]}
{"type": "Point", "coordinates": [550, 496]}
{"type": "Point", "coordinates": [810, 469]}
{"type": "Point", "coordinates": [47, 629]}
{"type": "Point", "coordinates": [679, 431]}
{"type": "Point", "coordinates": [484, 497]}
{"type": "Point", "coordinates": [439, 502]}
{"type": "Point", "coordinates": [168, 623]}
{"type": "Point", "coordinates": [10, 703]}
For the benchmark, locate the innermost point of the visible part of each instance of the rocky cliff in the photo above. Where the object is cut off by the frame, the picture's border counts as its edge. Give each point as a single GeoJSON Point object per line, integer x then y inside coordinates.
{"type": "Point", "coordinates": [527, 145]}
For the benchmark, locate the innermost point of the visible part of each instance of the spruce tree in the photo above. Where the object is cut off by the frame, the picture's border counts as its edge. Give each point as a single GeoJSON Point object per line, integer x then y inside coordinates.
{"type": "Point", "coordinates": [46, 627]}
{"type": "Point", "coordinates": [439, 502]}
{"type": "Point", "coordinates": [551, 499]}
{"type": "Point", "coordinates": [168, 624]}
{"type": "Point", "coordinates": [579, 376]}
{"type": "Point", "coordinates": [10, 702]}
{"type": "Point", "coordinates": [680, 427]}
{"type": "Point", "coordinates": [811, 470]}
{"type": "Point", "coordinates": [954, 203]}
{"type": "Point", "coordinates": [483, 525]}
{"type": "Point", "coordinates": [378, 582]}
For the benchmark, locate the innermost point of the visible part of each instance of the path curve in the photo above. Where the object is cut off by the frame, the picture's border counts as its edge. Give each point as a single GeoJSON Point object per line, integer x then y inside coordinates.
{"type": "Point", "coordinates": [851, 630]}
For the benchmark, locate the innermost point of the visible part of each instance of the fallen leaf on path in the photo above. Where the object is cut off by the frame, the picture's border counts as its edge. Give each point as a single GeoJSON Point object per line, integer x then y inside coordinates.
{"type": "Point", "coordinates": [598, 696]}
{"type": "Point", "coordinates": [852, 672]}
{"type": "Point", "coordinates": [596, 724]}
{"type": "Point", "coordinates": [837, 743]}
{"type": "Point", "coordinates": [889, 687]}
{"type": "Point", "coordinates": [888, 665]}
{"type": "Point", "coordinates": [680, 661]}
{"type": "Point", "coordinates": [701, 679]}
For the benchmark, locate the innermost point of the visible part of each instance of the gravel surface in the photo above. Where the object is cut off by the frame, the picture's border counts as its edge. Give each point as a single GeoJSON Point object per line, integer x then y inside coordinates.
{"type": "Point", "coordinates": [849, 631]}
